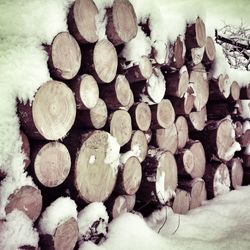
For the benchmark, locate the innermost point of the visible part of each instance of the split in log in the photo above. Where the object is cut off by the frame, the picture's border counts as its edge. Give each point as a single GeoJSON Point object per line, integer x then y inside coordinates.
{"type": "Point", "coordinates": [139, 72]}
{"type": "Point", "coordinates": [195, 34]}
{"type": "Point", "coordinates": [197, 119]}
{"type": "Point", "coordinates": [141, 116]}
{"type": "Point", "coordinates": [26, 199]}
{"type": "Point", "coordinates": [210, 51]}
{"type": "Point", "coordinates": [101, 61]}
{"type": "Point", "coordinates": [129, 177]}
{"type": "Point", "coordinates": [64, 56]}
{"type": "Point", "coordinates": [25, 149]}
{"type": "Point", "coordinates": [181, 204]}
{"type": "Point", "coordinates": [94, 118]}
{"type": "Point", "coordinates": [234, 92]}
{"type": "Point", "coordinates": [116, 94]}
{"type": "Point", "coordinates": [183, 106]}
{"type": "Point", "coordinates": [217, 179]}
{"type": "Point", "coordinates": [245, 92]}
{"type": "Point", "coordinates": [177, 83]}
{"type": "Point", "coordinates": [182, 131]}
{"type": "Point", "coordinates": [185, 162]}
{"type": "Point", "coordinates": [121, 126]}
{"type": "Point", "coordinates": [197, 190]}
{"type": "Point", "coordinates": [236, 172]}
{"type": "Point", "coordinates": [82, 21]}
{"type": "Point", "coordinates": [122, 22]}
{"type": "Point", "coordinates": [163, 114]}
{"type": "Point", "coordinates": [52, 113]}
{"type": "Point", "coordinates": [51, 163]}
{"type": "Point", "coordinates": [159, 177]}
{"type": "Point", "coordinates": [219, 89]}
{"type": "Point", "coordinates": [86, 91]}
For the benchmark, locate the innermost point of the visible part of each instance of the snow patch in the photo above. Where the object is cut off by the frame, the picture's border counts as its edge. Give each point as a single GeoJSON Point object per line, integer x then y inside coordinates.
{"type": "Point", "coordinates": [221, 181]}
{"type": "Point", "coordinates": [92, 159]}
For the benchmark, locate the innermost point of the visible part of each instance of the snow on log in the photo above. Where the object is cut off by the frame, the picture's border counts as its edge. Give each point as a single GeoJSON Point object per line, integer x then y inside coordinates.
{"type": "Point", "coordinates": [245, 92]}
{"type": "Point", "coordinates": [82, 21]}
{"type": "Point", "coordinates": [219, 88]}
{"type": "Point", "coordinates": [236, 172]}
{"type": "Point", "coordinates": [182, 131]}
{"type": "Point", "coordinates": [26, 199]}
{"type": "Point", "coordinates": [194, 56]}
{"type": "Point", "coordinates": [51, 163]}
{"type": "Point", "coordinates": [25, 149]}
{"type": "Point", "coordinates": [64, 56]}
{"type": "Point", "coordinates": [159, 177]}
{"type": "Point", "coordinates": [51, 114]}
{"type": "Point", "coordinates": [217, 179]}
{"type": "Point", "coordinates": [197, 119]}
{"type": "Point", "coordinates": [181, 203]}
{"type": "Point", "coordinates": [122, 23]}
{"type": "Point", "coordinates": [100, 61]}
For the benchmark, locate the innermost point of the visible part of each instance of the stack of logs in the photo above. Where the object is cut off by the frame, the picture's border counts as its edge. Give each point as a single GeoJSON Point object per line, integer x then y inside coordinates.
{"type": "Point", "coordinates": [167, 123]}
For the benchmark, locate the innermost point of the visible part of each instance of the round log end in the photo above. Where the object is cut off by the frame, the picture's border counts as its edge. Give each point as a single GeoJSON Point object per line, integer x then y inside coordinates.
{"type": "Point", "coordinates": [210, 49]}
{"type": "Point", "coordinates": [200, 31]}
{"type": "Point", "coordinates": [188, 161]}
{"type": "Point", "coordinates": [165, 113]}
{"type": "Point", "coordinates": [99, 114]}
{"type": "Point", "coordinates": [182, 131]}
{"type": "Point", "coordinates": [122, 89]}
{"type": "Point", "coordinates": [183, 83]}
{"type": "Point", "coordinates": [143, 116]}
{"type": "Point", "coordinates": [178, 53]}
{"type": "Point", "coordinates": [235, 91]}
{"type": "Point", "coordinates": [181, 204]}
{"type": "Point", "coordinates": [119, 206]}
{"type": "Point", "coordinates": [139, 145]}
{"type": "Point", "coordinates": [198, 193]}
{"type": "Point", "coordinates": [145, 66]}
{"type": "Point", "coordinates": [237, 172]}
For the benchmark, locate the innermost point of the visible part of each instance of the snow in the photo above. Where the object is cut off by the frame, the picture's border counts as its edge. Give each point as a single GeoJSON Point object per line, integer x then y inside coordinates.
{"type": "Point", "coordinates": [16, 231]}
{"type": "Point", "coordinates": [92, 159]}
{"type": "Point", "coordinates": [197, 54]}
{"type": "Point", "coordinates": [221, 182]}
{"type": "Point", "coordinates": [135, 151]}
{"type": "Point", "coordinates": [231, 151]}
{"type": "Point", "coordinates": [56, 214]}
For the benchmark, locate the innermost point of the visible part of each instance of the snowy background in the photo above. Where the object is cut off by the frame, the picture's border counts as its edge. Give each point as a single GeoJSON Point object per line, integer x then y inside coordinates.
{"type": "Point", "coordinates": [223, 223]}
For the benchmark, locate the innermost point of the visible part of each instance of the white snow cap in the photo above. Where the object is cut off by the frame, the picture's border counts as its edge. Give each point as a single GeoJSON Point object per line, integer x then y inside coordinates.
{"type": "Point", "coordinates": [56, 214]}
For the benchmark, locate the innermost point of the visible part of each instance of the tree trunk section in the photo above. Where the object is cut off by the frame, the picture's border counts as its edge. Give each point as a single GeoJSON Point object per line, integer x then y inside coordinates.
{"type": "Point", "coordinates": [197, 119]}
{"type": "Point", "coordinates": [185, 160]}
{"type": "Point", "coordinates": [182, 131]}
{"type": "Point", "coordinates": [181, 204]}
{"type": "Point", "coordinates": [219, 89]}
{"type": "Point", "coordinates": [236, 172]}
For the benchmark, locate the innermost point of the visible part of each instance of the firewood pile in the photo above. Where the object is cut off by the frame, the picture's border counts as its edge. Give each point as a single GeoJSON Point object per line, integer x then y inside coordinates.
{"type": "Point", "coordinates": [134, 135]}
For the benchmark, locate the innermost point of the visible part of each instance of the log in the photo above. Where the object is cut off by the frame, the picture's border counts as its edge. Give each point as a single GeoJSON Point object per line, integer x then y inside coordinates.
{"type": "Point", "coordinates": [122, 22]}
{"type": "Point", "coordinates": [86, 91]}
{"type": "Point", "coordinates": [181, 204]}
{"type": "Point", "coordinates": [245, 92]}
{"type": "Point", "coordinates": [185, 161]}
{"type": "Point", "coordinates": [141, 116]}
{"type": "Point", "coordinates": [94, 118]}
{"type": "Point", "coordinates": [177, 58]}
{"type": "Point", "coordinates": [234, 92]}
{"type": "Point", "coordinates": [194, 56]}
{"type": "Point", "coordinates": [210, 51]}
{"type": "Point", "coordinates": [129, 177]}
{"type": "Point", "coordinates": [117, 94]}
{"type": "Point", "coordinates": [64, 56]}
{"type": "Point", "coordinates": [120, 126]}
{"type": "Point", "coordinates": [238, 129]}
{"type": "Point", "coordinates": [100, 61]}
{"type": "Point", "coordinates": [51, 114]}
{"type": "Point", "coordinates": [25, 149]}
{"type": "Point", "coordinates": [82, 21]}
{"type": "Point", "coordinates": [197, 190]}
{"type": "Point", "coordinates": [244, 140]}
{"type": "Point", "coordinates": [182, 131]}
{"type": "Point", "coordinates": [159, 177]}
{"type": "Point", "coordinates": [166, 138]}
{"type": "Point", "coordinates": [116, 206]}
{"type": "Point", "coordinates": [217, 179]}
{"type": "Point", "coordinates": [51, 163]}
{"type": "Point", "coordinates": [183, 106]}
{"type": "Point", "coordinates": [195, 34]}
{"type": "Point", "coordinates": [219, 89]}
{"type": "Point", "coordinates": [177, 83]}
{"type": "Point", "coordinates": [197, 119]}
{"type": "Point", "coordinates": [199, 82]}
{"type": "Point", "coordinates": [159, 52]}
{"type": "Point", "coordinates": [139, 72]}
{"type": "Point", "coordinates": [236, 172]}
{"type": "Point", "coordinates": [163, 114]}
{"type": "Point", "coordinates": [27, 199]}
{"type": "Point", "coordinates": [130, 200]}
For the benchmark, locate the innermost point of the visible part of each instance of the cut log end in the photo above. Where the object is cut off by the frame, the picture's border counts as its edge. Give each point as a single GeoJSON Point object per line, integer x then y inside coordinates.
{"type": "Point", "coordinates": [145, 67]}
{"type": "Point", "coordinates": [99, 114]}
{"type": "Point", "coordinates": [25, 149]}
{"type": "Point", "coordinates": [119, 206]}
{"type": "Point", "coordinates": [210, 51]}
{"type": "Point", "coordinates": [235, 91]}
{"type": "Point", "coordinates": [182, 131]}
{"type": "Point", "coordinates": [200, 31]}
{"type": "Point", "coordinates": [198, 193]}
{"type": "Point", "coordinates": [178, 53]}
{"type": "Point", "coordinates": [236, 172]}
{"type": "Point", "coordinates": [123, 91]}
{"type": "Point", "coordinates": [198, 119]}
{"type": "Point", "coordinates": [181, 204]}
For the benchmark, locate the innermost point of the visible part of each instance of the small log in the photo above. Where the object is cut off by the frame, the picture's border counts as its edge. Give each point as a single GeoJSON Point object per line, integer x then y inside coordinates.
{"type": "Point", "coordinates": [183, 106]}
{"type": "Point", "coordinates": [177, 83]}
{"type": "Point", "coordinates": [101, 61]}
{"type": "Point", "coordinates": [122, 22]}
{"type": "Point", "coordinates": [82, 21]}
{"type": "Point", "coordinates": [64, 56]}
{"type": "Point", "coordinates": [139, 72]}
{"type": "Point", "coordinates": [195, 34]}
{"type": "Point", "coordinates": [94, 118]}
{"type": "Point", "coordinates": [26, 199]}
{"type": "Point", "coordinates": [141, 116]}
{"type": "Point", "coordinates": [51, 114]}
{"type": "Point", "coordinates": [245, 92]}
{"type": "Point", "coordinates": [236, 172]}
{"type": "Point", "coordinates": [120, 126]}
{"type": "Point", "coordinates": [163, 114]}
{"type": "Point", "coordinates": [219, 89]}
{"type": "Point", "coordinates": [197, 119]}
{"type": "Point", "coordinates": [177, 58]}
{"type": "Point", "coordinates": [159, 177]}
{"type": "Point", "coordinates": [182, 131]}
{"type": "Point", "coordinates": [51, 163]}
{"type": "Point", "coordinates": [210, 52]}
{"type": "Point", "coordinates": [217, 179]}
{"type": "Point", "coordinates": [116, 94]}
{"type": "Point", "coordinates": [197, 190]}
{"type": "Point", "coordinates": [86, 91]}
{"type": "Point", "coordinates": [25, 149]}
{"type": "Point", "coordinates": [199, 83]}
{"type": "Point", "coordinates": [129, 177]}
{"type": "Point", "coordinates": [234, 92]}
{"type": "Point", "coordinates": [166, 138]}
{"type": "Point", "coordinates": [185, 162]}
{"type": "Point", "coordinates": [116, 206]}
{"type": "Point", "coordinates": [181, 204]}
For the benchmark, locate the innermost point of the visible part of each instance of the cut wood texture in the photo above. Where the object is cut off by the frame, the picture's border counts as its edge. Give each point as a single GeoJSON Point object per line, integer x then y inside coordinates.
{"type": "Point", "coordinates": [25, 149]}
{"type": "Point", "coordinates": [101, 61]}
{"type": "Point", "coordinates": [185, 162]}
{"type": "Point", "coordinates": [95, 118]}
{"type": "Point", "coordinates": [51, 114]}
{"type": "Point", "coordinates": [181, 204]}
{"type": "Point", "coordinates": [245, 92]}
{"type": "Point", "coordinates": [244, 140]}
{"type": "Point", "coordinates": [178, 55]}
{"type": "Point", "coordinates": [116, 206]}
{"type": "Point", "coordinates": [122, 22]}
{"type": "Point", "coordinates": [27, 199]}
{"type": "Point", "coordinates": [129, 176]}
{"type": "Point", "coordinates": [236, 172]}
{"type": "Point", "coordinates": [197, 119]}
{"type": "Point", "coordinates": [183, 106]}
{"type": "Point", "coordinates": [51, 162]}
{"type": "Point", "coordinates": [182, 131]}
{"type": "Point", "coordinates": [86, 91]}
{"type": "Point", "coordinates": [82, 21]}
{"type": "Point", "coordinates": [64, 56]}
{"type": "Point", "coordinates": [210, 51]}
{"type": "Point", "coordinates": [219, 88]}
{"type": "Point", "coordinates": [159, 177]}
{"type": "Point", "coordinates": [234, 92]}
